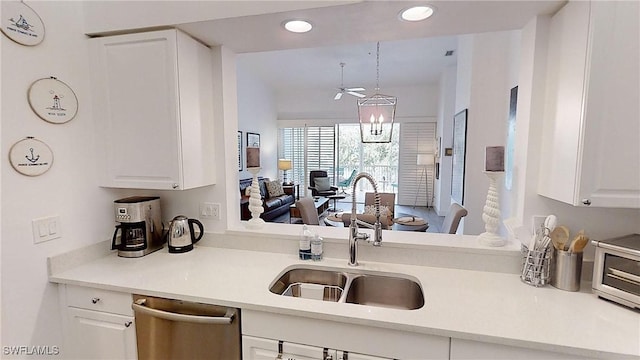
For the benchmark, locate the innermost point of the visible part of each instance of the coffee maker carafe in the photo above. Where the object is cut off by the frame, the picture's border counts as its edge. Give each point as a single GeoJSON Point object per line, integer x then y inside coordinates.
{"type": "Point", "coordinates": [139, 231]}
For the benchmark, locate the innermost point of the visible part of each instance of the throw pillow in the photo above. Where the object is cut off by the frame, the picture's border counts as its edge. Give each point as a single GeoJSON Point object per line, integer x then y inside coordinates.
{"type": "Point", "coordinates": [384, 210]}
{"type": "Point", "coordinates": [274, 188]}
{"type": "Point", "coordinates": [322, 183]}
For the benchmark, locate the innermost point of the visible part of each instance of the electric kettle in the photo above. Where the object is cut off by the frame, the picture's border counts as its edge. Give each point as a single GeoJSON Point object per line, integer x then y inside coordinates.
{"type": "Point", "coordinates": [181, 234]}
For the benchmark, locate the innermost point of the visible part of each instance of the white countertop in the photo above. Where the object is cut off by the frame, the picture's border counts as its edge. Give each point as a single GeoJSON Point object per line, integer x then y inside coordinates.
{"type": "Point", "coordinates": [466, 304]}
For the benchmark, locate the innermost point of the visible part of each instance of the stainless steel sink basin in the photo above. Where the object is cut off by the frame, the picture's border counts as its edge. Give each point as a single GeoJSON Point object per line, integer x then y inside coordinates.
{"type": "Point", "coordinates": [385, 291]}
{"type": "Point", "coordinates": [311, 284]}
{"type": "Point", "coordinates": [355, 288]}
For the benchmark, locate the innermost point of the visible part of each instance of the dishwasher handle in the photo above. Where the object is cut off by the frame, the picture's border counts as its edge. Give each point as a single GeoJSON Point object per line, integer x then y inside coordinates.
{"type": "Point", "coordinates": [140, 306]}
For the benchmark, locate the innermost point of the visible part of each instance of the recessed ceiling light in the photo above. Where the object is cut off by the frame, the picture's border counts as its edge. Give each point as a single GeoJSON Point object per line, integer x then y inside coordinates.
{"type": "Point", "coordinates": [297, 26]}
{"type": "Point", "coordinates": [416, 13]}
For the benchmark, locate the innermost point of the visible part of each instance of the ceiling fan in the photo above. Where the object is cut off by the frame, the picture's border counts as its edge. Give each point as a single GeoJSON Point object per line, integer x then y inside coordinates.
{"type": "Point", "coordinates": [342, 89]}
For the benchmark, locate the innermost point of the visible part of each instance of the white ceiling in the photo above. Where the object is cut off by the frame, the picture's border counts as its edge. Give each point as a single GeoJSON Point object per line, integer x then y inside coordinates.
{"type": "Point", "coordinates": [410, 53]}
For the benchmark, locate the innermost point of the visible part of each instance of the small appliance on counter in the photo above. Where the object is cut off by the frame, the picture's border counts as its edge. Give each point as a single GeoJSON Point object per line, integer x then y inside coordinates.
{"type": "Point", "coordinates": [181, 234]}
{"type": "Point", "coordinates": [139, 231]}
{"type": "Point", "coordinates": [616, 270]}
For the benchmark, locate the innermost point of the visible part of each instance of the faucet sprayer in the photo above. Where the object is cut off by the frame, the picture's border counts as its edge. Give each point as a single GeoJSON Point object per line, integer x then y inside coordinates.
{"type": "Point", "coordinates": [354, 235]}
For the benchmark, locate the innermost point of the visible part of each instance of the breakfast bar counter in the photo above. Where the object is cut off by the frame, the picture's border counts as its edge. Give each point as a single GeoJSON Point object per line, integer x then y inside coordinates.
{"type": "Point", "coordinates": [488, 307]}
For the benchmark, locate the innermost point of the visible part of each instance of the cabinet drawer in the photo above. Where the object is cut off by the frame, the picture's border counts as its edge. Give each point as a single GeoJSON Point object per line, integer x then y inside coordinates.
{"type": "Point", "coordinates": [99, 300]}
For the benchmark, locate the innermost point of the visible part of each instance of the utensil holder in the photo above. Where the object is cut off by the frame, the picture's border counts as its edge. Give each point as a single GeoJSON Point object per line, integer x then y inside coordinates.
{"type": "Point", "coordinates": [535, 266]}
{"type": "Point", "coordinates": [566, 270]}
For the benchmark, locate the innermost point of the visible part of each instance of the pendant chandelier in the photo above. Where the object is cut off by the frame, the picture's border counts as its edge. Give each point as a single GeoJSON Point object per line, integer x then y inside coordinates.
{"type": "Point", "coordinates": [376, 113]}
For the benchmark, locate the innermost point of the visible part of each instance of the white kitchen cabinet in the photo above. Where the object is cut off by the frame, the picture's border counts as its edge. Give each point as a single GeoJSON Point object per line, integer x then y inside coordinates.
{"type": "Point", "coordinates": [360, 342]}
{"type": "Point", "coordinates": [590, 154]}
{"type": "Point", "coordinates": [97, 324]}
{"type": "Point", "coordinates": [98, 335]}
{"type": "Point", "coordinates": [474, 350]}
{"type": "Point", "coordinates": [153, 110]}
{"type": "Point", "coordinates": [254, 348]}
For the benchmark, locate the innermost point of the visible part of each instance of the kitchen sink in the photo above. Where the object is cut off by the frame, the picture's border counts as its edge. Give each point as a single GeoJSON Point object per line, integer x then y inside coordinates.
{"type": "Point", "coordinates": [350, 287]}
{"type": "Point", "coordinates": [311, 284]}
{"type": "Point", "coordinates": [385, 291]}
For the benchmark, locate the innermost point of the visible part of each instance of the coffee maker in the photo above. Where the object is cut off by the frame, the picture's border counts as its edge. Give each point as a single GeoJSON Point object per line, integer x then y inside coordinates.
{"type": "Point", "coordinates": [139, 231]}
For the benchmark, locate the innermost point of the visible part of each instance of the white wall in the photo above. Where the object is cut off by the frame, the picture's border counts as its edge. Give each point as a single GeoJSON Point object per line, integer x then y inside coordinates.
{"type": "Point", "coordinates": [29, 303]}
{"type": "Point", "coordinates": [485, 63]}
{"type": "Point", "coordinates": [257, 113]}
{"type": "Point", "coordinates": [446, 111]}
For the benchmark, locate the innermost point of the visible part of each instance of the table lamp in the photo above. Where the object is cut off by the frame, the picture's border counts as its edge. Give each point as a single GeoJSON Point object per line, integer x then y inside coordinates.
{"type": "Point", "coordinates": [284, 165]}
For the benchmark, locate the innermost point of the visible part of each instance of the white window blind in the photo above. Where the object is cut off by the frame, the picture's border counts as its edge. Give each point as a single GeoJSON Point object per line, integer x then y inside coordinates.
{"type": "Point", "coordinates": [415, 183]}
{"type": "Point", "coordinates": [291, 146]}
{"type": "Point", "coordinates": [310, 148]}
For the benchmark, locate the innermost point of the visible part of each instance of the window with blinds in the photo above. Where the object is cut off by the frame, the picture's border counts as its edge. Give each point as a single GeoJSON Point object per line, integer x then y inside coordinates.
{"type": "Point", "coordinates": [415, 184]}
{"type": "Point", "coordinates": [310, 148]}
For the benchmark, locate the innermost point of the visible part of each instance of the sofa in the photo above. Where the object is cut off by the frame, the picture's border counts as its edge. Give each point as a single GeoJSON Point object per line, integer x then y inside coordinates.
{"type": "Point", "coordinates": [273, 206]}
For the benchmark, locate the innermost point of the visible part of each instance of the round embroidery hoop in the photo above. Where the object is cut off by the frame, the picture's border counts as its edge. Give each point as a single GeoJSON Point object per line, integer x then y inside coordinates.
{"type": "Point", "coordinates": [31, 157]}
{"type": "Point", "coordinates": [53, 100]}
{"type": "Point", "coordinates": [21, 24]}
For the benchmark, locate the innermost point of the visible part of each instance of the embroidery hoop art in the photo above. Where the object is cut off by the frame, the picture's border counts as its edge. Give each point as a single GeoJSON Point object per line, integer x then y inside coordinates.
{"type": "Point", "coordinates": [31, 157]}
{"type": "Point", "coordinates": [21, 24]}
{"type": "Point", "coordinates": [53, 100]}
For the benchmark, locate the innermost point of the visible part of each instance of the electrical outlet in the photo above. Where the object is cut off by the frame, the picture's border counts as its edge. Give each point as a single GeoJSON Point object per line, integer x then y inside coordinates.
{"type": "Point", "coordinates": [210, 210]}
{"type": "Point", "coordinates": [215, 211]}
{"type": "Point", "coordinates": [46, 228]}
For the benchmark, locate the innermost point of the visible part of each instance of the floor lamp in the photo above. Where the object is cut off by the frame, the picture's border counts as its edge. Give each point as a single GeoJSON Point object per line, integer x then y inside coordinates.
{"type": "Point", "coordinates": [423, 160]}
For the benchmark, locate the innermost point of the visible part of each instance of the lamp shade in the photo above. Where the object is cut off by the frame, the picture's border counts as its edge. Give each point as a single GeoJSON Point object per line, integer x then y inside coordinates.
{"type": "Point", "coordinates": [424, 159]}
{"type": "Point", "coordinates": [284, 164]}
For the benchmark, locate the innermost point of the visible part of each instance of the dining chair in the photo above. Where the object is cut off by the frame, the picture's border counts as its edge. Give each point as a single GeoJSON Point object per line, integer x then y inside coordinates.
{"type": "Point", "coordinates": [452, 219]}
{"type": "Point", "coordinates": [308, 211]}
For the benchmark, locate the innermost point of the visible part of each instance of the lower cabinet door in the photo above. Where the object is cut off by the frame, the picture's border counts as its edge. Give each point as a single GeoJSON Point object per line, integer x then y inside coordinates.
{"type": "Point", "coordinates": [254, 348]}
{"type": "Point", "coordinates": [99, 335]}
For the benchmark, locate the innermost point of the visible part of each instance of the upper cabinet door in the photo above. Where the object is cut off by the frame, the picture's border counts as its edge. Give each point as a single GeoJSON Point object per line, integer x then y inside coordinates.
{"type": "Point", "coordinates": [153, 110]}
{"type": "Point", "coordinates": [590, 150]}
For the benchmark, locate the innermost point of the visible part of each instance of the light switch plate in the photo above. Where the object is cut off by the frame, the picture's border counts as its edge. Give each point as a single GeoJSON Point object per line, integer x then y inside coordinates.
{"type": "Point", "coordinates": [46, 228]}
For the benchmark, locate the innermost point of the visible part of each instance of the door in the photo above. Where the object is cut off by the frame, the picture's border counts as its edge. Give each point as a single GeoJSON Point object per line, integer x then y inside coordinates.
{"type": "Point", "coordinates": [99, 335]}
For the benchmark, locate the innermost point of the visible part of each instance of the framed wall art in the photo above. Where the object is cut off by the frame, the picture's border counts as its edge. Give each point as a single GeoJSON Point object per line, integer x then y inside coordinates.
{"type": "Point", "coordinates": [20, 23]}
{"type": "Point", "coordinates": [31, 157]}
{"type": "Point", "coordinates": [239, 150]}
{"type": "Point", "coordinates": [253, 140]}
{"type": "Point", "coordinates": [52, 100]}
{"type": "Point", "coordinates": [459, 154]}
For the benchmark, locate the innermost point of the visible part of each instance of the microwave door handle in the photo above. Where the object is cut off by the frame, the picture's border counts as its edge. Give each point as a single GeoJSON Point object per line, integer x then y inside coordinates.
{"type": "Point", "coordinates": [139, 306]}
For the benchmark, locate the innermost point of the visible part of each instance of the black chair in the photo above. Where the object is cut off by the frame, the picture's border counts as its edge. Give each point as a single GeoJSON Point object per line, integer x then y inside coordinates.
{"type": "Point", "coordinates": [320, 190]}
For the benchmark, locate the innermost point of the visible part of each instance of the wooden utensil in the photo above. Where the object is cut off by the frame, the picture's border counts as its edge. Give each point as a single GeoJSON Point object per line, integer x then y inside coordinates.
{"type": "Point", "coordinates": [559, 237]}
{"type": "Point", "coordinates": [578, 243]}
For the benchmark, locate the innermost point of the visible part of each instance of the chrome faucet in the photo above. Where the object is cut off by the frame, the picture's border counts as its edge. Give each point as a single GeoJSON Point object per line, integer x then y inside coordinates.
{"type": "Point", "coordinates": [354, 235]}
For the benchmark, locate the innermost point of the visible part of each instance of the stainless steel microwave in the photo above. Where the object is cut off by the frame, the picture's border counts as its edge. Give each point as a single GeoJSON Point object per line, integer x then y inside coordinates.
{"type": "Point", "coordinates": [616, 270]}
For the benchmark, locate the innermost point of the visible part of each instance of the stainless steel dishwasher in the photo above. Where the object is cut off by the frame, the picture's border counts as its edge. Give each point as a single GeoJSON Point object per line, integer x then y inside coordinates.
{"type": "Point", "coordinates": [175, 329]}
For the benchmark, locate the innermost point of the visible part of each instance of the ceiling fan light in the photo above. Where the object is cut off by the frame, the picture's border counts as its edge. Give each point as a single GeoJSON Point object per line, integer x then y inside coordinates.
{"type": "Point", "coordinates": [416, 13]}
{"type": "Point", "coordinates": [297, 26]}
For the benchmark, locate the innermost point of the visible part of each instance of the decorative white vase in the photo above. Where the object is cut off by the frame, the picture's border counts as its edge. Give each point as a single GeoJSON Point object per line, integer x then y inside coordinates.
{"type": "Point", "coordinates": [255, 201]}
{"type": "Point", "coordinates": [491, 213]}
